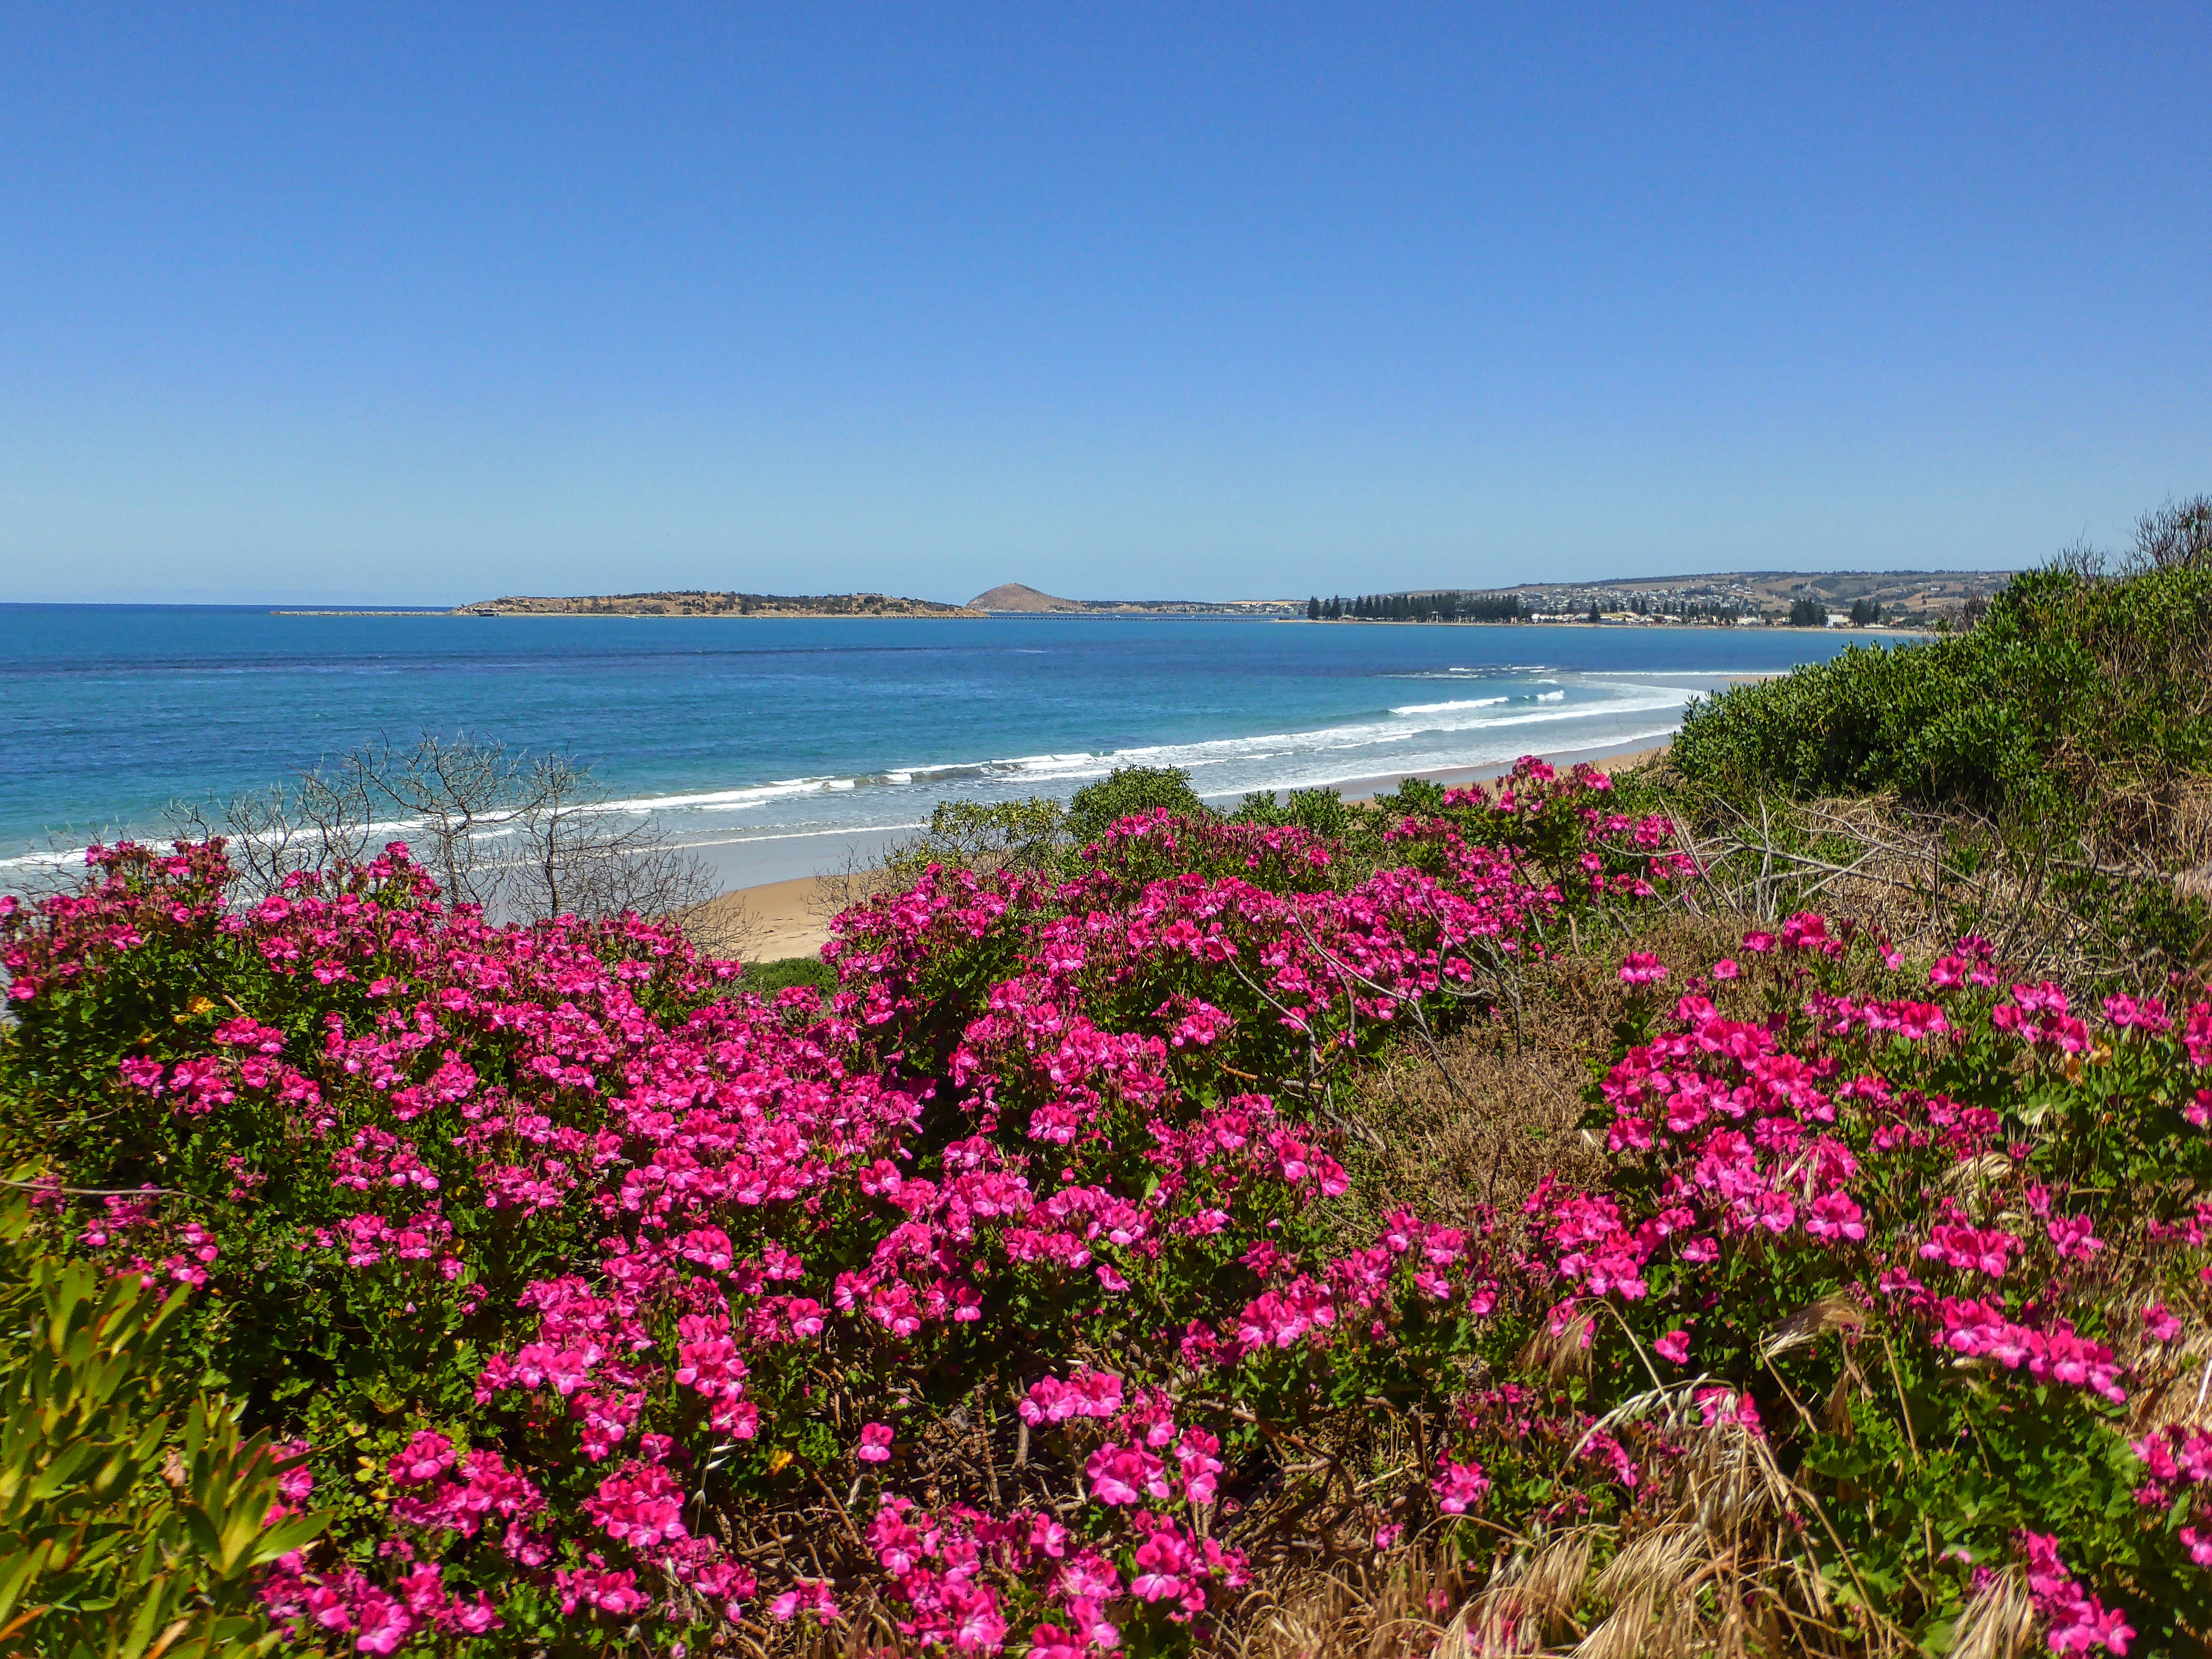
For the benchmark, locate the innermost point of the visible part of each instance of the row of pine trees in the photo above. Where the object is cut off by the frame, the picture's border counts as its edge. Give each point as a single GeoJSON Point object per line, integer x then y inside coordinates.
{"type": "Point", "coordinates": [1419, 607]}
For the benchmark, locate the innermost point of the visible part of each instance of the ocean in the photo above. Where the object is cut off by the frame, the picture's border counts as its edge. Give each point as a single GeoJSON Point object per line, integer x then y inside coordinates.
{"type": "Point", "coordinates": [774, 746]}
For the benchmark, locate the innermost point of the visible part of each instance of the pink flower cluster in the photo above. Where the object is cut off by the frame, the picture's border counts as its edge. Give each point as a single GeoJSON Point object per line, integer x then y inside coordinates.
{"type": "Point", "coordinates": [958, 1573]}
{"type": "Point", "coordinates": [1976, 1330]}
{"type": "Point", "coordinates": [2075, 1621]}
{"type": "Point", "coordinates": [1754, 1138]}
{"type": "Point", "coordinates": [2178, 1460]}
{"type": "Point", "coordinates": [346, 1602]}
{"type": "Point", "coordinates": [2038, 1014]}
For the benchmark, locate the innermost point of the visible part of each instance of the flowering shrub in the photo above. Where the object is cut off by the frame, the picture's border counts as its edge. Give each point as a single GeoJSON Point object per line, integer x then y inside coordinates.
{"type": "Point", "coordinates": [1912, 1241]}
{"type": "Point", "coordinates": [1004, 1299]}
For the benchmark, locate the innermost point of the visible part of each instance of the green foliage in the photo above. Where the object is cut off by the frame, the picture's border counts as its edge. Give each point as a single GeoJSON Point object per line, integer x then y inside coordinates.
{"type": "Point", "coordinates": [765, 979]}
{"type": "Point", "coordinates": [1129, 789]}
{"type": "Point", "coordinates": [1019, 837]}
{"type": "Point", "coordinates": [1416, 796]}
{"type": "Point", "coordinates": [1454, 606]}
{"type": "Point", "coordinates": [131, 1509]}
{"type": "Point", "coordinates": [1323, 812]}
{"type": "Point", "coordinates": [1807, 613]}
{"type": "Point", "coordinates": [2065, 667]}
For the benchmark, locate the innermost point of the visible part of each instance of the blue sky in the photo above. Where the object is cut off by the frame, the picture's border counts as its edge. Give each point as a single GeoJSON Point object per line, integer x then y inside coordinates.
{"type": "Point", "coordinates": [431, 303]}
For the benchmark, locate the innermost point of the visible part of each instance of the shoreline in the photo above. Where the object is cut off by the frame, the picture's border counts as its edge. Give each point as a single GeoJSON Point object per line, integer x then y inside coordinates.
{"type": "Point", "coordinates": [1882, 631]}
{"type": "Point", "coordinates": [789, 918]}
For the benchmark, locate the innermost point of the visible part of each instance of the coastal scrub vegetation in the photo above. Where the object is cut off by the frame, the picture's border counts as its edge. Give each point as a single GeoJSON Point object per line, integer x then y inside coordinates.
{"type": "Point", "coordinates": [2054, 764]}
{"type": "Point", "coordinates": [1555, 1217]}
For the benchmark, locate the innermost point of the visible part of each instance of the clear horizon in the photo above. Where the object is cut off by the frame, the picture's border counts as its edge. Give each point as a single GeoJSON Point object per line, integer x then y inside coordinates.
{"type": "Point", "coordinates": [367, 306]}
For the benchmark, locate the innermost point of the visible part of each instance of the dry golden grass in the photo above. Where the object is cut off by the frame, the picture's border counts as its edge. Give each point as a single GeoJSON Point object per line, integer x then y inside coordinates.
{"type": "Point", "coordinates": [1494, 1108]}
{"type": "Point", "coordinates": [1398, 1602]}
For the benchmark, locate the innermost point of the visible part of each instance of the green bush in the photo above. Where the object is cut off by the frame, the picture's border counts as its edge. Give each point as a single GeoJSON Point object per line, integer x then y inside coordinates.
{"type": "Point", "coordinates": [1021, 837]}
{"type": "Point", "coordinates": [765, 979]}
{"type": "Point", "coordinates": [2075, 723]}
{"type": "Point", "coordinates": [1096, 807]}
{"type": "Point", "coordinates": [1323, 812]}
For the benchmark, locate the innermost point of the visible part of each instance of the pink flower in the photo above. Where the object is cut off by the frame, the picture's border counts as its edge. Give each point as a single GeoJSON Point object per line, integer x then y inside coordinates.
{"type": "Point", "coordinates": [1835, 1215]}
{"type": "Point", "coordinates": [1123, 1474]}
{"type": "Point", "coordinates": [426, 1457]}
{"type": "Point", "coordinates": [595, 1589]}
{"type": "Point", "coordinates": [139, 1072]}
{"type": "Point", "coordinates": [385, 1623]}
{"type": "Point", "coordinates": [1726, 968]}
{"type": "Point", "coordinates": [641, 1506]}
{"type": "Point", "coordinates": [2075, 1620]}
{"type": "Point", "coordinates": [2159, 1324]}
{"type": "Point", "coordinates": [1459, 1487]}
{"type": "Point", "coordinates": [1674, 1347]}
{"type": "Point", "coordinates": [296, 1483]}
{"type": "Point", "coordinates": [1642, 968]}
{"type": "Point", "coordinates": [2074, 1237]}
{"type": "Point", "coordinates": [1968, 1249]}
{"type": "Point", "coordinates": [807, 1595]}
{"type": "Point", "coordinates": [875, 1443]}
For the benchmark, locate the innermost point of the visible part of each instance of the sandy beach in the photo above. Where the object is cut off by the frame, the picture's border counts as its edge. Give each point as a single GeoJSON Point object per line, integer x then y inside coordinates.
{"type": "Point", "coordinates": [791, 918]}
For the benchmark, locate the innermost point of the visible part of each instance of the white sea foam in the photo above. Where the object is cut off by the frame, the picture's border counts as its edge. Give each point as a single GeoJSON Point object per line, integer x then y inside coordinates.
{"type": "Point", "coordinates": [1289, 751]}
{"type": "Point", "coordinates": [796, 835]}
{"type": "Point", "coordinates": [1443, 707]}
{"type": "Point", "coordinates": [756, 794]}
{"type": "Point", "coordinates": [1453, 735]}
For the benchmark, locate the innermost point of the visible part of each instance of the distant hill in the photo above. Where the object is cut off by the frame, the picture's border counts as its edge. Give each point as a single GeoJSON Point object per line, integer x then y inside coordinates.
{"type": "Point", "coordinates": [1915, 597]}
{"type": "Point", "coordinates": [697, 603]}
{"type": "Point", "coordinates": [1912, 599]}
{"type": "Point", "coordinates": [1907, 589]}
{"type": "Point", "coordinates": [1019, 599]}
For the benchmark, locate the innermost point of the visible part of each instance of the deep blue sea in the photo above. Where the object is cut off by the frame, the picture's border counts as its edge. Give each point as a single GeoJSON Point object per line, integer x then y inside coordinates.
{"type": "Point", "coordinates": [773, 744]}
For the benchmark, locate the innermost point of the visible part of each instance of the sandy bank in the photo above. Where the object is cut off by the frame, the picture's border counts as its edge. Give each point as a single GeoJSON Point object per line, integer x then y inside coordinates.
{"type": "Point", "coordinates": [791, 918]}
{"type": "Point", "coordinates": [774, 919]}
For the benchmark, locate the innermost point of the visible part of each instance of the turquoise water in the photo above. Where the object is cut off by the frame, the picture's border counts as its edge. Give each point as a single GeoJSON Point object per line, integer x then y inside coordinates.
{"type": "Point", "coordinates": [772, 744]}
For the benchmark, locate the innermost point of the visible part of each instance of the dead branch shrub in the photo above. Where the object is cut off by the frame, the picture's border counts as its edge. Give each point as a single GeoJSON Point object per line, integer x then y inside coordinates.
{"type": "Point", "coordinates": [525, 836]}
